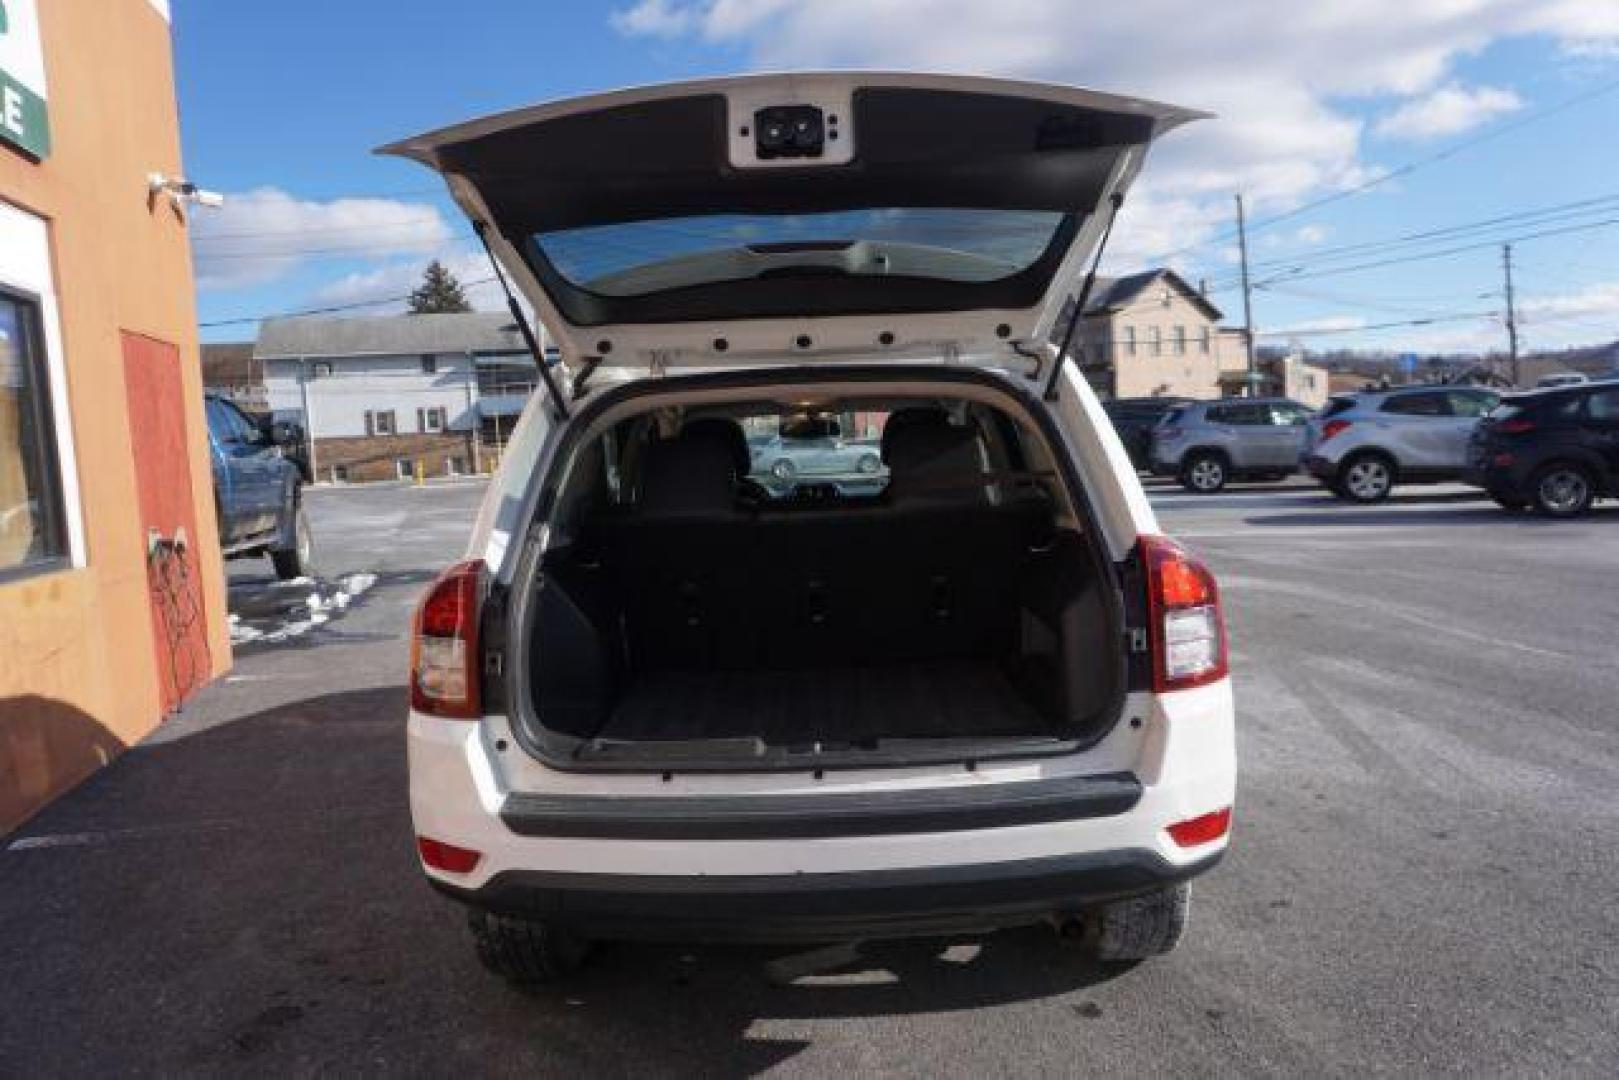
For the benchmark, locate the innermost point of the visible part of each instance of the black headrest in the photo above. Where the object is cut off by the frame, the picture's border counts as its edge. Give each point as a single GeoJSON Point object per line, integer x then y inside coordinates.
{"type": "Point", "coordinates": [934, 459]}
{"type": "Point", "coordinates": [723, 427]}
{"type": "Point", "coordinates": [915, 416]}
{"type": "Point", "coordinates": [694, 473]}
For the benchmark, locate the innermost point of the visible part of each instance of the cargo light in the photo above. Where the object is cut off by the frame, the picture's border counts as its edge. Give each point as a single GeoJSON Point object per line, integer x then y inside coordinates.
{"type": "Point", "coordinates": [1187, 625]}
{"type": "Point", "coordinates": [444, 645]}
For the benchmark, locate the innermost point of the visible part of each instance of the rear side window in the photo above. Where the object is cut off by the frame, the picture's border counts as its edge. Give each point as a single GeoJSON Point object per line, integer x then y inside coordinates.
{"type": "Point", "coordinates": [1429, 404]}
{"type": "Point", "coordinates": [1603, 407]}
{"type": "Point", "coordinates": [1471, 402]}
{"type": "Point", "coordinates": [1336, 406]}
{"type": "Point", "coordinates": [1173, 416]}
{"type": "Point", "coordinates": [1240, 415]}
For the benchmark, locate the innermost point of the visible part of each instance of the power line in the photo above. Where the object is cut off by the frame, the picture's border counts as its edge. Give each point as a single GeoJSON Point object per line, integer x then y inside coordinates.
{"type": "Point", "coordinates": [1460, 316]}
{"type": "Point", "coordinates": [1306, 274]}
{"type": "Point", "coordinates": [1403, 170]}
{"type": "Point", "coordinates": [332, 310]}
{"type": "Point", "coordinates": [1567, 213]}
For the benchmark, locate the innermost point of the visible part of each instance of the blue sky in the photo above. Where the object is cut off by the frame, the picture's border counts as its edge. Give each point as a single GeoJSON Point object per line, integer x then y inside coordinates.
{"type": "Point", "coordinates": [281, 104]}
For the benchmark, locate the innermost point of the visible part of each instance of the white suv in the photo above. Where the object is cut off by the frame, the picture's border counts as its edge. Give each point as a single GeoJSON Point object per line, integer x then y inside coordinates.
{"type": "Point", "coordinates": [665, 699]}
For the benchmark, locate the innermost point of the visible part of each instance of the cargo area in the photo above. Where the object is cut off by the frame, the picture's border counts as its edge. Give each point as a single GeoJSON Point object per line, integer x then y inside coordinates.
{"type": "Point", "coordinates": [703, 604]}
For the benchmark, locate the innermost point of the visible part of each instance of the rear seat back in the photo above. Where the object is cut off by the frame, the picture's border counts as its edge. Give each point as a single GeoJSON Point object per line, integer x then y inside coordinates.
{"type": "Point", "coordinates": [933, 573]}
{"type": "Point", "coordinates": [675, 553]}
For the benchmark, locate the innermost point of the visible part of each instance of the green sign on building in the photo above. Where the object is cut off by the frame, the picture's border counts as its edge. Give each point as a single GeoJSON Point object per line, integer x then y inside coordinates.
{"type": "Point", "coordinates": [24, 121]}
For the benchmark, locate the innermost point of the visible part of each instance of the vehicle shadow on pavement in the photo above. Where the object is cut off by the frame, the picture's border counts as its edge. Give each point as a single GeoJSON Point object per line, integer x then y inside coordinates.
{"type": "Point", "coordinates": [1490, 516]}
{"type": "Point", "coordinates": [247, 897]}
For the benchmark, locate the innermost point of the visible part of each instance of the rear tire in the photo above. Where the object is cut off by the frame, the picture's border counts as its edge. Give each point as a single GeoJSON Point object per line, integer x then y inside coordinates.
{"type": "Point", "coordinates": [1366, 478]}
{"type": "Point", "coordinates": [1562, 490]}
{"type": "Point", "coordinates": [1143, 926]}
{"type": "Point", "coordinates": [525, 952]}
{"type": "Point", "coordinates": [295, 562]}
{"type": "Point", "coordinates": [1204, 473]}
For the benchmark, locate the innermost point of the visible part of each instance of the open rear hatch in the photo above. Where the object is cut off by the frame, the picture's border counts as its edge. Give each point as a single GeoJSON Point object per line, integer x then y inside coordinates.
{"type": "Point", "coordinates": [794, 217]}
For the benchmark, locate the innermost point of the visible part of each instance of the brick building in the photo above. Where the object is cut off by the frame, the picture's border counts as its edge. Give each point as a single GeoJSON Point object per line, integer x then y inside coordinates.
{"type": "Point", "coordinates": [112, 598]}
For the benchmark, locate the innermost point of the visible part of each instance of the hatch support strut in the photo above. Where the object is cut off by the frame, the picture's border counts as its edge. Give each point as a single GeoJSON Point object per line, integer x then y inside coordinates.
{"type": "Point", "coordinates": [1114, 201]}
{"type": "Point", "coordinates": [523, 327]}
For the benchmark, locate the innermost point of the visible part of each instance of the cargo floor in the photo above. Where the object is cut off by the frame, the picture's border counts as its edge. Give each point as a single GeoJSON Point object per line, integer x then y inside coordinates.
{"type": "Point", "coordinates": [936, 699]}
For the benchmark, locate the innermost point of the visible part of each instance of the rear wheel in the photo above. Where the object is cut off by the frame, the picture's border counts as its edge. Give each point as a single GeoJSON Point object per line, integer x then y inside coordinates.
{"type": "Point", "coordinates": [1204, 473]}
{"type": "Point", "coordinates": [1143, 926]}
{"type": "Point", "coordinates": [295, 561]}
{"type": "Point", "coordinates": [1563, 490]}
{"type": "Point", "coordinates": [526, 952]}
{"type": "Point", "coordinates": [1366, 478]}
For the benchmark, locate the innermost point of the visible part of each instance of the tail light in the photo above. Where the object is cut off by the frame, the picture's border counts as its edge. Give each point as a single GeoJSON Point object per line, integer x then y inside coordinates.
{"type": "Point", "coordinates": [1518, 425]}
{"type": "Point", "coordinates": [1334, 427]}
{"type": "Point", "coordinates": [1188, 628]}
{"type": "Point", "coordinates": [456, 860]}
{"type": "Point", "coordinates": [444, 647]}
{"type": "Point", "coordinates": [1201, 830]}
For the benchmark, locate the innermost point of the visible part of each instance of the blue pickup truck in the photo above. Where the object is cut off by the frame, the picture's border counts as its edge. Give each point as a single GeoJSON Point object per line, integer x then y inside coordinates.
{"type": "Point", "coordinates": [258, 492]}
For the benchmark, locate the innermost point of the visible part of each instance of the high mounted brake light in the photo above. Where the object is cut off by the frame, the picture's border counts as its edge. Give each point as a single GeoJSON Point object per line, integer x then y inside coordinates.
{"type": "Point", "coordinates": [444, 646]}
{"type": "Point", "coordinates": [1187, 625]}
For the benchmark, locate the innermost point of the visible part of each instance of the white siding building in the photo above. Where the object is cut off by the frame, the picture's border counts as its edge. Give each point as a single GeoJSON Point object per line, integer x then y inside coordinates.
{"type": "Point", "coordinates": [387, 397]}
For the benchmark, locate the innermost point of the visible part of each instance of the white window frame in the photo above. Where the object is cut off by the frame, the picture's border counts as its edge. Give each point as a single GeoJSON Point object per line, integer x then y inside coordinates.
{"type": "Point", "coordinates": [1129, 340]}
{"type": "Point", "coordinates": [1155, 340]}
{"type": "Point", "coordinates": [405, 468]}
{"type": "Point", "coordinates": [25, 266]}
{"type": "Point", "coordinates": [1180, 341]}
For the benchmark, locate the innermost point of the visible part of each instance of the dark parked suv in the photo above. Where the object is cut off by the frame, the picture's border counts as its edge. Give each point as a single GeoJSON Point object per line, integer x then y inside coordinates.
{"type": "Point", "coordinates": [1134, 419]}
{"type": "Point", "coordinates": [1555, 450]}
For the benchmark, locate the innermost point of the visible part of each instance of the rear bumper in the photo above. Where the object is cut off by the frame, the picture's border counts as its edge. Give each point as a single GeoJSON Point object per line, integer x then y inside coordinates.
{"type": "Point", "coordinates": [1319, 467]}
{"type": "Point", "coordinates": [827, 907]}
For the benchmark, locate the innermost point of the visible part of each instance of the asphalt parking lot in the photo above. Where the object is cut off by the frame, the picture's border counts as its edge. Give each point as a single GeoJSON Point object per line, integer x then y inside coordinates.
{"type": "Point", "coordinates": [1422, 878]}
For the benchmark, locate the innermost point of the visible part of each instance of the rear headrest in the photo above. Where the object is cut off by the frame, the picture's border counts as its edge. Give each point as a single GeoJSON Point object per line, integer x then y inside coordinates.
{"type": "Point", "coordinates": [915, 416]}
{"type": "Point", "coordinates": [723, 427]}
{"type": "Point", "coordinates": [694, 473]}
{"type": "Point", "coordinates": [931, 458]}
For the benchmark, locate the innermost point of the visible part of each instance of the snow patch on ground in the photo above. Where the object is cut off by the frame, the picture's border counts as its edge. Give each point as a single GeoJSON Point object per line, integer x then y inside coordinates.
{"type": "Point", "coordinates": [287, 610]}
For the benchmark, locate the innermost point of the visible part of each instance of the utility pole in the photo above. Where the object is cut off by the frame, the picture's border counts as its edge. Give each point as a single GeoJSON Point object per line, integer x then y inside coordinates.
{"type": "Point", "coordinates": [472, 411]}
{"type": "Point", "coordinates": [1247, 297]}
{"type": "Point", "coordinates": [309, 420]}
{"type": "Point", "coordinates": [1512, 313]}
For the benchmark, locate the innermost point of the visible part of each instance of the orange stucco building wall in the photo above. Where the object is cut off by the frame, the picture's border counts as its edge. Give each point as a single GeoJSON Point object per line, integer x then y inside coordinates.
{"type": "Point", "coordinates": [78, 674]}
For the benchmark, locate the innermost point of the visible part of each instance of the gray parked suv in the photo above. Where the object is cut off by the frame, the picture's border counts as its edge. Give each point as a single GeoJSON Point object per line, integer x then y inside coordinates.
{"type": "Point", "coordinates": [1360, 445]}
{"type": "Point", "coordinates": [1207, 443]}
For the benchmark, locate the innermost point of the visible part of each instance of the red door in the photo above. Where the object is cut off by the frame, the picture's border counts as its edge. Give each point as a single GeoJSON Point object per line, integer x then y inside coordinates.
{"type": "Point", "coordinates": [168, 535]}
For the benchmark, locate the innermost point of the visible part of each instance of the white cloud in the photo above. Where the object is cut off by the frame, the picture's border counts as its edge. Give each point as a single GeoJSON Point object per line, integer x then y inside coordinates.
{"type": "Point", "coordinates": [1286, 78]}
{"type": "Point", "coordinates": [393, 280]}
{"type": "Point", "coordinates": [265, 234]}
{"type": "Point", "coordinates": [1316, 325]}
{"type": "Point", "coordinates": [654, 18]}
{"type": "Point", "coordinates": [1450, 110]}
{"type": "Point", "coordinates": [1596, 302]}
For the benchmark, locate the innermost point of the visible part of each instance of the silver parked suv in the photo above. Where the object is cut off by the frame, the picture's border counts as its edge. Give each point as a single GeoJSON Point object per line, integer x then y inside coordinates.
{"type": "Point", "coordinates": [1207, 443]}
{"type": "Point", "coordinates": [1360, 445]}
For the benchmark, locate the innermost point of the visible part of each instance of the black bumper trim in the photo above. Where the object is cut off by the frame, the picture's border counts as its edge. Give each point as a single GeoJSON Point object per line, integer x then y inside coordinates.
{"type": "Point", "coordinates": [826, 907]}
{"type": "Point", "coordinates": [796, 817]}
